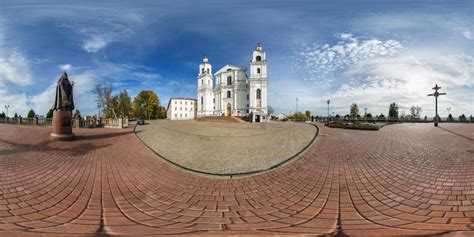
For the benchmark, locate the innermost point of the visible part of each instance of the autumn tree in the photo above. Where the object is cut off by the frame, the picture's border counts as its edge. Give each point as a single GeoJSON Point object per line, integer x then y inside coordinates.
{"type": "Point", "coordinates": [146, 104]}
{"type": "Point", "coordinates": [161, 112]}
{"type": "Point", "coordinates": [354, 110]}
{"type": "Point", "coordinates": [123, 103]}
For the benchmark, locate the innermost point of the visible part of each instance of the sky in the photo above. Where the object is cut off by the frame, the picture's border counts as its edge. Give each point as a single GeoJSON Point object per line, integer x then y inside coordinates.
{"type": "Point", "coordinates": [367, 52]}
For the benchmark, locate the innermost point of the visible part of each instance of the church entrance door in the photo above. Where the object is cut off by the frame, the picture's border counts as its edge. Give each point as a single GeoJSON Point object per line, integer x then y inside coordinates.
{"type": "Point", "coordinates": [229, 110]}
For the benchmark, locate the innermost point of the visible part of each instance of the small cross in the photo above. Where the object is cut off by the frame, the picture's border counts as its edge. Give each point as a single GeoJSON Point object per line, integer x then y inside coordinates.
{"type": "Point", "coordinates": [436, 94]}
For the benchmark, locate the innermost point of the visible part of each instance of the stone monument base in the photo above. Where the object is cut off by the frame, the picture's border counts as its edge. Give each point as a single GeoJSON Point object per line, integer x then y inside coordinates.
{"type": "Point", "coordinates": [62, 126]}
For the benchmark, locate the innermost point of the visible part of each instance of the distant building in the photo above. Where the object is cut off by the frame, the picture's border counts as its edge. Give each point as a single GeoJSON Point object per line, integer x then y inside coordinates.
{"type": "Point", "coordinates": [280, 117]}
{"type": "Point", "coordinates": [181, 109]}
{"type": "Point", "coordinates": [234, 94]}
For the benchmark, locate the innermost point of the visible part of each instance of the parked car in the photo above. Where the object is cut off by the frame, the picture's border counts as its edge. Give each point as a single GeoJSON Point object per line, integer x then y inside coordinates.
{"type": "Point", "coordinates": [140, 121]}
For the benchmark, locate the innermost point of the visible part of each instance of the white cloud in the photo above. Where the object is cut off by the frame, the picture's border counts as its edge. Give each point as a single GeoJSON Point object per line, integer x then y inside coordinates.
{"type": "Point", "coordinates": [95, 43]}
{"type": "Point", "coordinates": [322, 60]}
{"type": "Point", "coordinates": [14, 67]}
{"type": "Point", "coordinates": [65, 67]}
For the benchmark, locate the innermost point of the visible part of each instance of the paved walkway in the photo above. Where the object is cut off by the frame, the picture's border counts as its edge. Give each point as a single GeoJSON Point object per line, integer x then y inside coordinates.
{"type": "Point", "coordinates": [402, 180]}
{"type": "Point", "coordinates": [226, 148]}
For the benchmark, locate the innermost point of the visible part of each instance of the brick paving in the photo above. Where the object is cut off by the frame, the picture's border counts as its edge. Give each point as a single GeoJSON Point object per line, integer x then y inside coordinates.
{"type": "Point", "coordinates": [407, 179]}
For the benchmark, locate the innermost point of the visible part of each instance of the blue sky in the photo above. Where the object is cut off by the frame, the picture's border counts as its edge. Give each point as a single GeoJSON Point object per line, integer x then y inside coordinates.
{"type": "Point", "coordinates": [368, 52]}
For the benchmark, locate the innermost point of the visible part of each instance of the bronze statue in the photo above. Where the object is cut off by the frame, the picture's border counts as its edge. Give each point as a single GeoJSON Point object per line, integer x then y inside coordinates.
{"type": "Point", "coordinates": [64, 100]}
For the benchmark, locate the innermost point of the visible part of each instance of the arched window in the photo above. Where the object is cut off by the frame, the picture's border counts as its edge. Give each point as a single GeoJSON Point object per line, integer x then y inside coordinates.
{"type": "Point", "coordinates": [258, 58]}
{"type": "Point", "coordinates": [202, 100]}
{"type": "Point", "coordinates": [208, 71]}
{"type": "Point", "coordinates": [229, 80]}
{"type": "Point", "coordinates": [259, 94]}
{"type": "Point", "coordinates": [258, 70]}
{"type": "Point", "coordinates": [202, 71]}
{"type": "Point", "coordinates": [228, 94]}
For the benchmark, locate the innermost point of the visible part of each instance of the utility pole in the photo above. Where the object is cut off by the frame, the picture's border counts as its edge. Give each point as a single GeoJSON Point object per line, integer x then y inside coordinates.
{"type": "Point", "coordinates": [436, 94]}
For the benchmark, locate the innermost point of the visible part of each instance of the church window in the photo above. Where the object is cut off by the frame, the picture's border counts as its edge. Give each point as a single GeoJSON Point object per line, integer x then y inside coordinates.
{"type": "Point", "coordinates": [202, 100]}
{"type": "Point", "coordinates": [208, 71]}
{"type": "Point", "coordinates": [202, 82]}
{"type": "Point", "coordinates": [247, 96]}
{"type": "Point", "coordinates": [259, 94]}
{"type": "Point", "coordinates": [229, 80]}
{"type": "Point", "coordinates": [214, 100]}
{"type": "Point", "coordinates": [247, 106]}
{"type": "Point", "coordinates": [258, 58]}
{"type": "Point", "coordinates": [202, 71]}
{"type": "Point", "coordinates": [229, 94]}
{"type": "Point", "coordinates": [258, 70]}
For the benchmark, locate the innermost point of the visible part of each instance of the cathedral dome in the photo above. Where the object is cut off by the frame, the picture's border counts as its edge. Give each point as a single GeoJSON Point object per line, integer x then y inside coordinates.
{"type": "Point", "coordinates": [205, 60]}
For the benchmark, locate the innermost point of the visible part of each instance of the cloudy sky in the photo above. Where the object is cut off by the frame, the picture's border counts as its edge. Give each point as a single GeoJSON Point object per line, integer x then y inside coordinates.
{"type": "Point", "coordinates": [368, 52]}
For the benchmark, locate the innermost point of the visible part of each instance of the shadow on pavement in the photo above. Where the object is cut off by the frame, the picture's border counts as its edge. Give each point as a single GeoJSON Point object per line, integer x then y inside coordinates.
{"type": "Point", "coordinates": [457, 134]}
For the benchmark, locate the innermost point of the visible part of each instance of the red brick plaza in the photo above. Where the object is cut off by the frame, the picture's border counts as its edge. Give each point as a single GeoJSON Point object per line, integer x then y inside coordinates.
{"type": "Point", "coordinates": [406, 179]}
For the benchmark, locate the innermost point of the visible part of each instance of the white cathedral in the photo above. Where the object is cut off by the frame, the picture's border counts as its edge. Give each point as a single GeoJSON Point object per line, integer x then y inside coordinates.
{"type": "Point", "coordinates": [234, 93]}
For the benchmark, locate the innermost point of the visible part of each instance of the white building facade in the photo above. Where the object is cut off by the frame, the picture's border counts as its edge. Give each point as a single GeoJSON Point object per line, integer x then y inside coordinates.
{"type": "Point", "coordinates": [230, 92]}
{"type": "Point", "coordinates": [181, 109]}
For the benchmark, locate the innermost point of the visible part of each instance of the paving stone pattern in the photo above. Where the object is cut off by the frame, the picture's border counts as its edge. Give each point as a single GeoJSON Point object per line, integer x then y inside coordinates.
{"type": "Point", "coordinates": [226, 148]}
{"type": "Point", "coordinates": [407, 179]}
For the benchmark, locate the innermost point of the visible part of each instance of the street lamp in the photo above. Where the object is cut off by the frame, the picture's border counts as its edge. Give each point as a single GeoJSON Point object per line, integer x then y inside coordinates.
{"type": "Point", "coordinates": [329, 101]}
{"type": "Point", "coordinates": [98, 107]}
{"type": "Point", "coordinates": [6, 108]}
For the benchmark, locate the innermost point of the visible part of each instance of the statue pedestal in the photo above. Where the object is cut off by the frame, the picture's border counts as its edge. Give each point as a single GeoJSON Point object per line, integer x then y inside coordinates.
{"type": "Point", "coordinates": [62, 126]}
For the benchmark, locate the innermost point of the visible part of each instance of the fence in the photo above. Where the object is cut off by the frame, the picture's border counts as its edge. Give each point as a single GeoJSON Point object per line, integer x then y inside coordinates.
{"type": "Point", "coordinates": [77, 123]}
{"type": "Point", "coordinates": [469, 119]}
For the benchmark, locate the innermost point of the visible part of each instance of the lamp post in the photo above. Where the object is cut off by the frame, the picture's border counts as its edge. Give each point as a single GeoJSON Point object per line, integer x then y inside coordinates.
{"type": "Point", "coordinates": [6, 108]}
{"type": "Point", "coordinates": [98, 107]}
{"type": "Point", "coordinates": [436, 94]}
{"type": "Point", "coordinates": [329, 101]}
{"type": "Point", "coordinates": [296, 105]}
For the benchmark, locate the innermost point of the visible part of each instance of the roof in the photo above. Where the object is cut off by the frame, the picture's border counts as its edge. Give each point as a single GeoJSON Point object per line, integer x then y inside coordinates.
{"type": "Point", "coordinates": [229, 66]}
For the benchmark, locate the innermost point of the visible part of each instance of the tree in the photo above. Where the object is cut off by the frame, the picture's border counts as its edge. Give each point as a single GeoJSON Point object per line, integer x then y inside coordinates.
{"type": "Point", "coordinates": [161, 112]}
{"type": "Point", "coordinates": [103, 92]}
{"type": "Point", "coordinates": [270, 110]}
{"type": "Point", "coordinates": [146, 104]}
{"type": "Point", "coordinates": [299, 116]}
{"type": "Point", "coordinates": [15, 115]}
{"type": "Point", "coordinates": [49, 114]}
{"type": "Point", "coordinates": [2, 115]}
{"type": "Point", "coordinates": [308, 114]}
{"type": "Point", "coordinates": [393, 111]}
{"type": "Point", "coordinates": [462, 118]}
{"type": "Point", "coordinates": [77, 114]}
{"type": "Point", "coordinates": [369, 115]}
{"type": "Point", "coordinates": [415, 111]}
{"type": "Point", "coordinates": [31, 114]}
{"type": "Point", "coordinates": [354, 110]}
{"type": "Point", "coordinates": [124, 104]}
{"type": "Point", "coordinates": [450, 118]}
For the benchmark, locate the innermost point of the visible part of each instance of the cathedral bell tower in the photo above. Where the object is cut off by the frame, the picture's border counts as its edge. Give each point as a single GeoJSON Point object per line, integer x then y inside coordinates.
{"type": "Point", "coordinates": [258, 85]}
{"type": "Point", "coordinates": [204, 89]}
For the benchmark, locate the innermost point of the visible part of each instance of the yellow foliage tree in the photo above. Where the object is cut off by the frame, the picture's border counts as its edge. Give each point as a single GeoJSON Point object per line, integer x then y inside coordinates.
{"type": "Point", "coordinates": [146, 104]}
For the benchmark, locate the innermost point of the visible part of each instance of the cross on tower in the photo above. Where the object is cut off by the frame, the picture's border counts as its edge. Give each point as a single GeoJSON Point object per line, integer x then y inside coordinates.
{"type": "Point", "coordinates": [436, 94]}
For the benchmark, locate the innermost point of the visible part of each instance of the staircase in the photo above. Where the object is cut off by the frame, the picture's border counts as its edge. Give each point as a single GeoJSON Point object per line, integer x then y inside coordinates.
{"type": "Point", "coordinates": [225, 119]}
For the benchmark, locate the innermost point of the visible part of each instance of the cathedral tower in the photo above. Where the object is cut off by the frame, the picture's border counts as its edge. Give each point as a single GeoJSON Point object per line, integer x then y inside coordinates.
{"type": "Point", "coordinates": [258, 85]}
{"type": "Point", "coordinates": [205, 105]}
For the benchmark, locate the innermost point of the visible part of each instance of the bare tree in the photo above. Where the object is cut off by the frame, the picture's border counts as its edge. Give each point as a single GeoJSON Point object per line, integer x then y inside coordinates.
{"type": "Point", "coordinates": [415, 111]}
{"type": "Point", "coordinates": [103, 92]}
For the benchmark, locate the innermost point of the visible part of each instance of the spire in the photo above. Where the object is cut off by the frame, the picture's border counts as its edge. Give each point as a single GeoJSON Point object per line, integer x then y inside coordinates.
{"type": "Point", "coordinates": [205, 59]}
{"type": "Point", "coordinates": [258, 47]}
